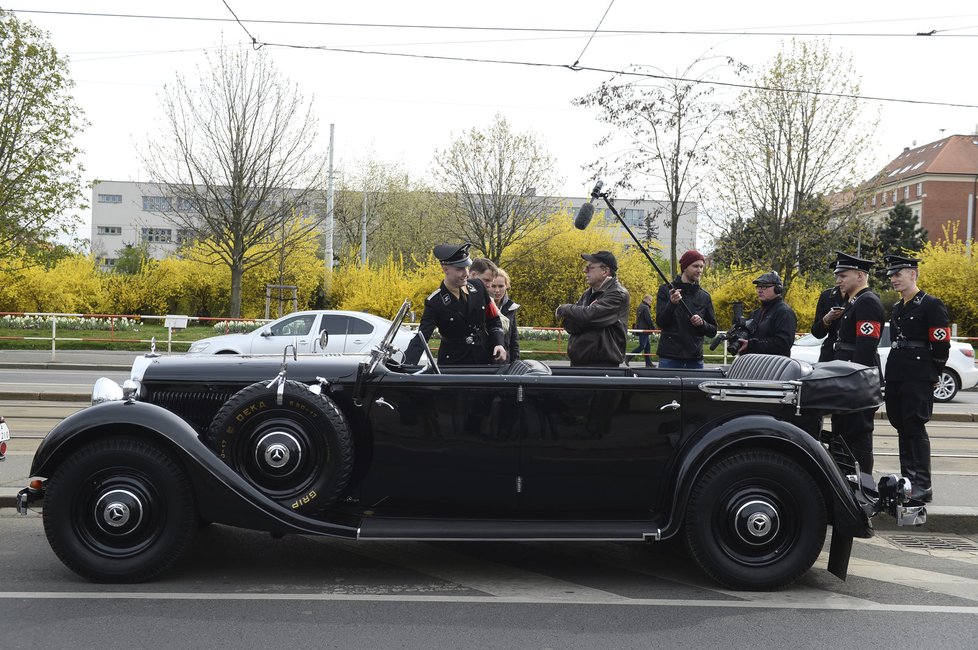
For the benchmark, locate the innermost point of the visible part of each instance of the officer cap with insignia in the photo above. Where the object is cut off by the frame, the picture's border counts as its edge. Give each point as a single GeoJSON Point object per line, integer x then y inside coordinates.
{"type": "Point", "coordinates": [454, 254]}
{"type": "Point", "coordinates": [845, 262]}
{"type": "Point", "coordinates": [896, 262]}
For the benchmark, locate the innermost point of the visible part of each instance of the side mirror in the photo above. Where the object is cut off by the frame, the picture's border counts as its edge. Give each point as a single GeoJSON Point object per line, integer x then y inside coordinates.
{"type": "Point", "coordinates": [266, 333]}
{"type": "Point", "coordinates": [323, 340]}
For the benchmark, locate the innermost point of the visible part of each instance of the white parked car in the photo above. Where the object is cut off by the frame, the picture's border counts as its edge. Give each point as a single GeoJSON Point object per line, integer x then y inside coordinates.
{"type": "Point", "coordinates": [350, 332]}
{"type": "Point", "coordinates": [959, 373]}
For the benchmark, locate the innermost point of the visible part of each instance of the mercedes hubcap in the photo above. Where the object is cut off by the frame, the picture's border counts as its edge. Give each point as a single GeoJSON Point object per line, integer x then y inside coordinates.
{"type": "Point", "coordinates": [118, 512]}
{"type": "Point", "coordinates": [278, 453]}
{"type": "Point", "coordinates": [757, 522]}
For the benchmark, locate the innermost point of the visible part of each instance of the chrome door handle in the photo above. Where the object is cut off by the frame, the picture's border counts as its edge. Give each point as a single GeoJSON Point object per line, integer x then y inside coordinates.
{"type": "Point", "coordinates": [382, 401]}
{"type": "Point", "coordinates": [671, 406]}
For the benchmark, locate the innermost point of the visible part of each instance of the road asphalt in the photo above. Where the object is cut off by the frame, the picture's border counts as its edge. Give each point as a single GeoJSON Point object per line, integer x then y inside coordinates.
{"type": "Point", "coordinates": [955, 509]}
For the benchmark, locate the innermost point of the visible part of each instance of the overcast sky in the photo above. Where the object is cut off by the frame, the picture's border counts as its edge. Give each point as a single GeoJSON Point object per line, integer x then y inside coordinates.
{"type": "Point", "coordinates": [403, 109]}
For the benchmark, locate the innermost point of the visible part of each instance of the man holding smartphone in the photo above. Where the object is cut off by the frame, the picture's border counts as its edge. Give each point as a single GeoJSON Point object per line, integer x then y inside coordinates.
{"type": "Point", "coordinates": [828, 311]}
{"type": "Point", "coordinates": [859, 330]}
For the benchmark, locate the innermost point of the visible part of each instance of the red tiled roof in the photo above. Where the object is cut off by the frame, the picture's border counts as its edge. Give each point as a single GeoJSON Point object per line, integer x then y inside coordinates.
{"type": "Point", "coordinates": [956, 154]}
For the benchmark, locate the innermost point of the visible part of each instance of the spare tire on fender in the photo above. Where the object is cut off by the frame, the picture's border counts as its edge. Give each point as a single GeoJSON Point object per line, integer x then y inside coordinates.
{"type": "Point", "coordinates": [298, 452]}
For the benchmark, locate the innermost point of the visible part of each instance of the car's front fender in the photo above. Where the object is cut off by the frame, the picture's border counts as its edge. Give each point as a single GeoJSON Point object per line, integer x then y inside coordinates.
{"type": "Point", "coordinates": [222, 495]}
{"type": "Point", "coordinates": [765, 432]}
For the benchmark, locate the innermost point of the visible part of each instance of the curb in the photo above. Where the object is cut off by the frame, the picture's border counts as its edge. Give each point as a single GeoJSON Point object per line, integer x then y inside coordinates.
{"type": "Point", "coordinates": [59, 365]}
{"type": "Point", "coordinates": [36, 396]}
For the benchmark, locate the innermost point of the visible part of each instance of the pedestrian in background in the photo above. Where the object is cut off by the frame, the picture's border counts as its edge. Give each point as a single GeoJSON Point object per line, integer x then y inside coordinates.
{"type": "Point", "coordinates": [681, 335]}
{"type": "Point", "coordinates": [499, 290]}
{"type": "Point", "coordinates": [598, 322]}
{"type": "Point", "coordinates": [921, 335]}
{"type": "Point", "coordinates": [643, 323]}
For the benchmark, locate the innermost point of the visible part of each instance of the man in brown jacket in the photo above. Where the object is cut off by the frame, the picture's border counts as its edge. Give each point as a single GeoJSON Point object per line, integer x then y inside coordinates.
{"type": "Point", "coordinates": [597, 323]}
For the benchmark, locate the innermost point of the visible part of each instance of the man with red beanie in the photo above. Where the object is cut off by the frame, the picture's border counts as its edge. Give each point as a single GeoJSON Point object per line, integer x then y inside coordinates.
{"type": "Point", "coordinates": [681, 342]}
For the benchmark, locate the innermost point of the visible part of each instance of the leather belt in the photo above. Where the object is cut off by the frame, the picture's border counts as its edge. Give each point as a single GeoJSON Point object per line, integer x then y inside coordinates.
{"type": "Point", "coordinates": [839, 345]}
{"type": "Point", "coordinates": [900, 345]}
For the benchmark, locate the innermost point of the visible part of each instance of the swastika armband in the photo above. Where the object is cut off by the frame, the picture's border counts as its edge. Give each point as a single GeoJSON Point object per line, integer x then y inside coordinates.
{"type": "Point", "coordinates": [491, 310]}
{"type": "Point", "coordinates": [939, 334]}
{"type": "Point", "coordinates": [870, 328]}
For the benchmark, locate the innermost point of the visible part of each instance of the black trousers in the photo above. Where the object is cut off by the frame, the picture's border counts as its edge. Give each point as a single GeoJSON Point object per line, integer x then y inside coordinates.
{"type": "Point", "coordinates": [909, 405]}
{"type": "Point", "coordinates": [857, 430]}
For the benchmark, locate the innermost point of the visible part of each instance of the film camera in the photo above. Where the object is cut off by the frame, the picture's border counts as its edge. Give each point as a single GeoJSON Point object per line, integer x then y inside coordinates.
{"type": "Point", "coordinates": [741, 328]}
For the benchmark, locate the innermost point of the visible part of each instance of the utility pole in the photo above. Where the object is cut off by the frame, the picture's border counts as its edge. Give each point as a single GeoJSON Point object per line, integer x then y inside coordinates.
{"type": "Point", "coordinates": [328, 253]}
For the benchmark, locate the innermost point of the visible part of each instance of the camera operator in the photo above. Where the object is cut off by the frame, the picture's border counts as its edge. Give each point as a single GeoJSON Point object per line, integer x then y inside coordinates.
{"type": "Point", "coordinates": [859, 329]}
{"type": "Point", "coordinates": [775, 321]}
{"type": "Point", "coordinates": [681, 341]}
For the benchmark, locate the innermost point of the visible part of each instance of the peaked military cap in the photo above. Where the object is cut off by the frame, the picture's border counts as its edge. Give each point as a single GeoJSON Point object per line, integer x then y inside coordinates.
{"type": "Point", "coordinates": [896, 262]}
{"type": "Point", "coordinates": [844, 261]}
{"type": "Point", "coordinates": [454, 254]}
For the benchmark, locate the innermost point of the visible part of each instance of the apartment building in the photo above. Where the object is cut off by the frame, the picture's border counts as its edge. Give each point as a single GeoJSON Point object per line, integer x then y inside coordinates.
{"type": "Point", "coordinates": [937, 181]}
{"type": "Point", "coordinates": [128, 213]}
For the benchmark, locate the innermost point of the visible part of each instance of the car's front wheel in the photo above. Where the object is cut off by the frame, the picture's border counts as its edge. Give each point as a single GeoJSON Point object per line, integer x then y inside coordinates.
{"type": "Point", "coordinates": [119, 510]}
{"type": "Point", "coordinates": [756, 520]}
{"type": "Point", "coordinates": [947, 387]}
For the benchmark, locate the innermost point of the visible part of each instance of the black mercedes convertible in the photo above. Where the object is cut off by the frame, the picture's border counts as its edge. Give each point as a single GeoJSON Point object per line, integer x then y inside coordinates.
{"type": "Point", "coordinates": [733, 462]}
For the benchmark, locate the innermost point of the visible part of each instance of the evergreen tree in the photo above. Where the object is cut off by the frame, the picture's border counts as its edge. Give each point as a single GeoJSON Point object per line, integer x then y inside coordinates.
{"type": "Point", "coordinates": [900, 232]}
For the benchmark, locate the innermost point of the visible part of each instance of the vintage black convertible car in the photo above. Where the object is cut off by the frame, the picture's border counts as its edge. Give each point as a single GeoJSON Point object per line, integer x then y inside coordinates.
{"type": "Point", "coordinates": [733, 462]}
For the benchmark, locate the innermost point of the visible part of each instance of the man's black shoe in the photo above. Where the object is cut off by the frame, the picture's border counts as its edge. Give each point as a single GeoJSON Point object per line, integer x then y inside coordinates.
{"type": "Point", "coordinates": [922, 494]}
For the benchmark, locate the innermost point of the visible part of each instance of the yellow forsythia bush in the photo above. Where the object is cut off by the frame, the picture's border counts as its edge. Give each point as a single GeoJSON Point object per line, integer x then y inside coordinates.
{"type": "Point", "coordinates": [948, 272]}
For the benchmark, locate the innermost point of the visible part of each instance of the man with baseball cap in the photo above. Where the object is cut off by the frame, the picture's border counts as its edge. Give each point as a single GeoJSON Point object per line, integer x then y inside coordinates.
{"type": "Point", "coordinates": [463, 312]}
{"type": "Point", "coordinates": [598, 322]}
{"type": "Point", "coordinates": [681, 341]}
{"type": "Point", "coordinates": [858, 338]}
{"type": "Point", "coordinates": [774, 321]}
{"type": "Point", "coordinates": [921, 335]}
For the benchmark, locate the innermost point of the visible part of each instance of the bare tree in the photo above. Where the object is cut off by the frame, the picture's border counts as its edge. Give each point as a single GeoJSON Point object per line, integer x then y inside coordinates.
{"type": "Point", "coordinates": [660, 131]}
{"type": "Point", "coordinates": [238, 160]}
{"type": "Point", "coordinates": [40, 181]}
{"type": "Point", "coordinates": [498, 185]}
{"type": "Point", "coordinates": [798, 135]}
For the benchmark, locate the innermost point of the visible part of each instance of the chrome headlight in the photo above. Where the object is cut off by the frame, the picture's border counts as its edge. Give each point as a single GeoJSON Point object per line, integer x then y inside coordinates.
{"type": "Point", "coordinates": [106, 390]}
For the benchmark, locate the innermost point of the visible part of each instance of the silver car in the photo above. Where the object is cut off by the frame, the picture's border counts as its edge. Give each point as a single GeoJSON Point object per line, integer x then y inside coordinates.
{"type": "Point", "coordinates": [350, 332]}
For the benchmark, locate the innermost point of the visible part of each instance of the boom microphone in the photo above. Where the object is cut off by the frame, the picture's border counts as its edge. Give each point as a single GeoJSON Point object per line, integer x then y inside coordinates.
{"type": "Point", "coordinates": [586, 213]}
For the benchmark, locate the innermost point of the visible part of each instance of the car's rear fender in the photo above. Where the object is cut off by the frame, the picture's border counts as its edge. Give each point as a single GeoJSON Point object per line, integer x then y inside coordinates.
{"type": "Point", "coordinates": [222, 495]}
{"type": "Point", "coordinates": [758, 431]}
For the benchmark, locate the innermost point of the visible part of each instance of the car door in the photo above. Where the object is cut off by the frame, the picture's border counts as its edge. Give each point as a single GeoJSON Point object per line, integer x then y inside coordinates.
{"type": "Point", "coordinates": [447, 441]}
{"type": "Point", "coordinates": [347, 334]}
{"type": "Point", "coordinates": [296, 328]}
{"type": "Point", "coordinates": [596, 443]}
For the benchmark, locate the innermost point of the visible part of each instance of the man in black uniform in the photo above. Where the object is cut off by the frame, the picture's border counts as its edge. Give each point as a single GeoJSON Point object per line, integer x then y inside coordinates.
{"type": "Point", "coordinates": [921, 336]}
{"type": "Point", "coordinates": [463, 312]}
{"type": "Point", "coordinates": [858, 331]}
{"type": "Point", "coordinates": [828, 311]}
{"type": "Point", "coordinates": [775, 321]}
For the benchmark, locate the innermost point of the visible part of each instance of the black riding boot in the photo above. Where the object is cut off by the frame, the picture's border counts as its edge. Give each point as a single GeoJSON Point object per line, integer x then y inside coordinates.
{"type": "Point", "coordinates": [920, 482]}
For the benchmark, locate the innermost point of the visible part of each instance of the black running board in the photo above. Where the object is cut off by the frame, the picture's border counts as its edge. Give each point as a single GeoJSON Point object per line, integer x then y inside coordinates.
{"type": "Point", "coordinates": [507, 529]}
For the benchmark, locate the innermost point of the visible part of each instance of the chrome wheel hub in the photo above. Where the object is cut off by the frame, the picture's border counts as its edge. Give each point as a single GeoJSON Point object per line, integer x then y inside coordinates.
{"type": "Point", "coordinates": [756, 522]}
{"type": "Point", "coordinates": [118, 512]}
{"type": "Point", "coordinates": [278, 453]}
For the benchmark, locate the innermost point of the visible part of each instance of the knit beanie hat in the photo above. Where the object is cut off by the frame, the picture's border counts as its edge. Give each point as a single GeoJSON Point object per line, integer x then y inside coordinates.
{"type": "Point", "coordinates": [689, 257]}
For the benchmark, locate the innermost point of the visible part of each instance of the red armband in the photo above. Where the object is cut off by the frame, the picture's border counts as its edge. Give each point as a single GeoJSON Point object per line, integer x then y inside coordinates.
{"type": "Point", "coordinates": [939, 334]}
{"type": "Point", "coordinates": [869, 328]}
{"type": "Point", "coordinates": [491, 310]}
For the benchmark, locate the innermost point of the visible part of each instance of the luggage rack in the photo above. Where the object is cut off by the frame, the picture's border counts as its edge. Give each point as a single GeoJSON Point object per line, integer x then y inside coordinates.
{"type": "Point", "coordinates": [754, 390]}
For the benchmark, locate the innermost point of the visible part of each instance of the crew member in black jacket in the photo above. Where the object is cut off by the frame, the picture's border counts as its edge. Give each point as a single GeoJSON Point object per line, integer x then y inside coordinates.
{"type": "Point", "coordinates": [774, 320]}
{"type": "Point", "coordinates": [463, 312]}
{"type": "Point", "coordinates": [859, 329]}
{"type": "Point", "coordinates": [828, 311]}
{"type": "Point", "coordinates": [921, 335]}
{"type": "Point", "coordinates": [681, 337]}
{"type": "Point", "coordinates": [643, 323]}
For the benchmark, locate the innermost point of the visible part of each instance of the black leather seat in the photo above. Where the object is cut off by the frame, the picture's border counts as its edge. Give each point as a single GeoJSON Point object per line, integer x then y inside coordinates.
{"type": "Point", "coordinates": [768, 367]}
{"type": "Point", "coordinates": [528, 367]}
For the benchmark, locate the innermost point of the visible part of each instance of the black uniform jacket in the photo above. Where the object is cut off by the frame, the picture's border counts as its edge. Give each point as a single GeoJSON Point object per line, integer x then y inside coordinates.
{"type": "Point", "coordinates": [923, 323]}
{"type": "Point", "coordinates": [469, 325]}
{"type": "Point", "coordinates": [512, 344]}
{"type": "Point", "coordinates": [826, 301]}
{"type": "Point", "coordinates": [679, 339]}
{"type": "Point", "coordinates": [776, 326]}
{"type": "Point", "coordinates": [597, 325]}
{"type": "Point", "coordinates": [860, 329]}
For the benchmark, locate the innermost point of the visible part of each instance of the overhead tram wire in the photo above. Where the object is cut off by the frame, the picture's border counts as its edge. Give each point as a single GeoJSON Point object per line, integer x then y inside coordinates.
{"type": "Point", "coordinates": [591, 38]}
{"type": "Point", "coordinates": [568, 30]}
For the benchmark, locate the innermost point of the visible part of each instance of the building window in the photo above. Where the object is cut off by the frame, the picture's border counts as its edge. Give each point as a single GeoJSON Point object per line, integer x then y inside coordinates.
{"type": "Point", "coordinates": [185, 236]}
{"type": "Point", "coordinates": [108, 262]}
{"type": "Point", "coordinates": [110, 198]}
{"type": "Point", "coordinates": [906, 193]}
{"type": "Point", "coordinates": [110, 230]}
{"type": "Point", "coordinates": [874, 200]}
{"type": "Point", "coordinates": [883, 199]}
{"type": "Point", "coordinates": [920, 190]}
{"type": "Point", "coordinates": [157, 235]}
{"type": "Point", "coordinates": [156, 204]}
{"type": "Point", "coordinates": [894, 196]}
{"type": "Point", "coordinates": [633, 216]}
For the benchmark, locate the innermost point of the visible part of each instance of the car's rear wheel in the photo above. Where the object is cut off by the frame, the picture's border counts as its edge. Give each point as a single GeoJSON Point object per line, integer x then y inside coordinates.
{"type": "Point", "coordinates": [294, 446]}
{"type": "Point", "coordinates": [755, 520]}
{"type": "Point", "coordinates": [947, 387]}
{"type": "Point", "coordinates": [119, 510]}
